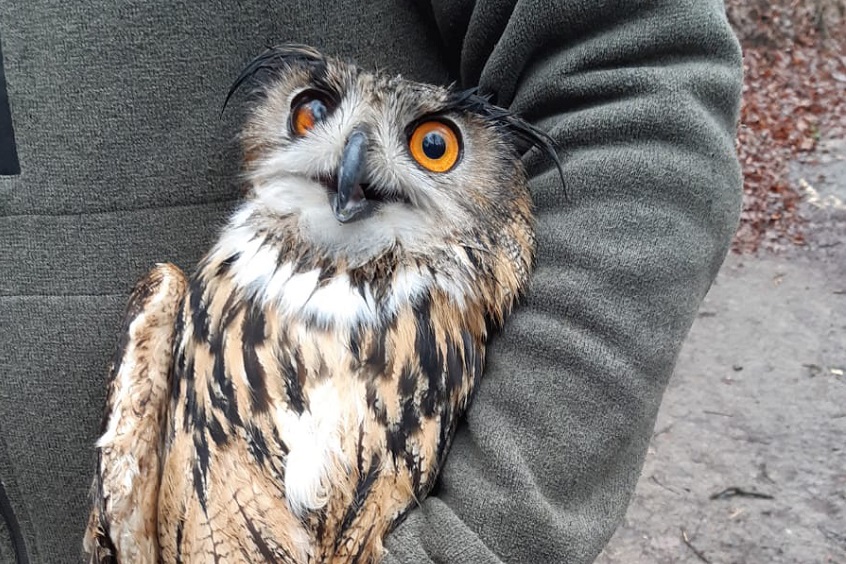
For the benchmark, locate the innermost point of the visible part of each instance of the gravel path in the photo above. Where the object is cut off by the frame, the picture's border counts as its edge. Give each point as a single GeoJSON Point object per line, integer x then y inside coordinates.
{"type": "Point", "coordinates": [756, 410]}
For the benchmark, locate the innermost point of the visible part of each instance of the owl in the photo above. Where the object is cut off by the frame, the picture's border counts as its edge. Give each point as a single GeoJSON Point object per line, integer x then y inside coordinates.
{"type": "Point", "coordinates": [296, 396]}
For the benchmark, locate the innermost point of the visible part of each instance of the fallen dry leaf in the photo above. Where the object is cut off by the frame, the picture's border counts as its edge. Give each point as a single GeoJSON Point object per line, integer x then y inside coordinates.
{"type": "Point", "coordinates": [792, 97]}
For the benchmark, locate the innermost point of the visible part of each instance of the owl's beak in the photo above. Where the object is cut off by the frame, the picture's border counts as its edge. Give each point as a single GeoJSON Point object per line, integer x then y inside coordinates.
{"type": "Point", "coordinates": [350, 203]}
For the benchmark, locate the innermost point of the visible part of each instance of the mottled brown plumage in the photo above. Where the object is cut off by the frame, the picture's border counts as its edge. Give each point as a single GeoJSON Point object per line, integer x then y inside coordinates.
{"type": "Point", "coordinates": [296, 397]}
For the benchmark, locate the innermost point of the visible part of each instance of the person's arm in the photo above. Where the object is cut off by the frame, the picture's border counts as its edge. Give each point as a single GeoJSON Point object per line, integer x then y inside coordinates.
{"type": "Point", "coordinates": [642, 98]}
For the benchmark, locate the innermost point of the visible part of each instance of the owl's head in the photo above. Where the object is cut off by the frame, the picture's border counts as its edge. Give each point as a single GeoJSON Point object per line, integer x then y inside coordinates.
{"type": "Point", "coordinates": [363, 163]}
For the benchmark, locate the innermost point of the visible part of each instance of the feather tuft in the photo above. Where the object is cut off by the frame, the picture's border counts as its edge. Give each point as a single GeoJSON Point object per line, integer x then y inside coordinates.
{"type": "Point", "coordinates": [275, 59]}
{"type": "Point", "coordinates": [519, 130]}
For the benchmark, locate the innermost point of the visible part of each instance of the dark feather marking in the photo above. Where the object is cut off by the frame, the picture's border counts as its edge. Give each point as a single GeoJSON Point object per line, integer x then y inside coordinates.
{"type": "Point", "coordinates": [454, 371]}
{"type": "Point", "coordinates": [138, 299]}
{"type": "Point", "coordinates": [362, 546]}
{"type": "Point", "coordinates": [327, 272]}
{"type": "Point", "coordinates": [180, 361]}
{"type": "Point", "coordinates": [254, 336]}
{"type": "Point", "coordinates": [401, 517]}
{"type": "Point", "coordinates": [407, 382]}
{"type": "Point", "coordinates": [370, 395]}
{"type": "Point", "coordinates": [216, 344]}
{"type": "Point", "coordinates": [231, 309]}
{"type": "Point", "coordinates": [362, 489]}
{"type": "Point", "coordinates": [430, 400]}
{"type": "Point", "coordinates": [292, 384]}
{"type": "Point", "coordinates": [320, 517]}
{"type": "Point", "coordinates": [259, 541]}
{"type": "Point", "coordinates": [256, 378]}
{"type": "Point", "coordinates": [285, 248]}
{"type": "Point", "coordinates": [199, 316]}
{"type": "Point", "coordinates": [355, 348]}
{"type": "Point", "coordinates": [409, 423]}
{"type": "Point", "coordinates": [180, 526]}
{"type": "Point", "coordinates": [410, 417]}
{"type": "Point", "coordinates": [416, 468]}
{"type": "Point", "coordinates": [279, 58]}
{"type": "Point", "coordinates": [471, 256]}
{"type": "Point", "coordinates": [279, 442]}
{"type": "Point", "coordinates": [225, 401]}
{"type": "Point", "coordinates": [425, 344]}
{"type": "Point", "coordinates": [395, 441]}
{"type": "Point", "coordinates": [200, 441]}
{"type": "Point", "coordinates": [519, 130]}
{"type": "Point", "coordinates": [305, 262]}
{"type": "Point", "coordinates": [179, 324]}
{"type": "Point", "coordinates": [216, 431]}
{"type": "Point", "coordinates": [361, 287]}
{"type": "Point", "coordinates": [469, 350]}
{"type": "Point", "coordinates": [201, 465]}
{"type": "Point", "coordinates": [359, 454]}
{"type": "Point", "coordinates": [224, 266]}
{"type": "Point", "coordinates": [182, 370]}
{"type": "Point", "coordinates": [190, 414]}
{"type": "Point", "coordinates": [323, 370]}
{"type": "Point", "coordinates": [377, 407]}
{"type": "Point", "coordinates": [377, 357]}
{"type": "Point", "coordinates": [105, 551]}
{"type": "Point", "coordinates": [491, 325]}
{"type": "Point", "coordinates": [412, 463]}
{"type": "Point", "coordinates": [359, 278]}
{"type": "Point", "coordinates": [302, 374]}
{"type": "Point", "coordinates": [256, 444]}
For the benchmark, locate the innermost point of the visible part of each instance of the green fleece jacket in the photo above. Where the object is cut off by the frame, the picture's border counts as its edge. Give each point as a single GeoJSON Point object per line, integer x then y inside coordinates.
{"type": "Point", "coordinates": [124, 162]}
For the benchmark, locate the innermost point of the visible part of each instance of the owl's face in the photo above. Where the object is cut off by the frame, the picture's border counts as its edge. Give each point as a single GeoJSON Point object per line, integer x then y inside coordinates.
{"type": "Point", "coordinates": [367, 163]}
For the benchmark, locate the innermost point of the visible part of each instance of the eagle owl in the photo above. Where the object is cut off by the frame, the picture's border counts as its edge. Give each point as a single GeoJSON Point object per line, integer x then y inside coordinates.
{"type": "Point", "coordinates": [296, 396]}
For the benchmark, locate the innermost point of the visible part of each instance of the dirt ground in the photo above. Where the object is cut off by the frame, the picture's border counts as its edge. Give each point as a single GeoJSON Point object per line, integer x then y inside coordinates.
{"type": "Point", "coordinates": [756, 409]}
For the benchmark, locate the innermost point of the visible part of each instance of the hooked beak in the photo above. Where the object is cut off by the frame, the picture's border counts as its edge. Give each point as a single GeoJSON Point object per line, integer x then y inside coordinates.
{"type": "Point", "coordinates": [350, 203]}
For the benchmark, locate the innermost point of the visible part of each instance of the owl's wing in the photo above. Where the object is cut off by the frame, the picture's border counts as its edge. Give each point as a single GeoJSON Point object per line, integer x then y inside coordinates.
{"type": "Point", "coordinates": [122, 525]}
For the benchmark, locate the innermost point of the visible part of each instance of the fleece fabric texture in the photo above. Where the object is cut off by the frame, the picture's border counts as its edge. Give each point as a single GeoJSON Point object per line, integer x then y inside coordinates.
{"type": "Point", "coordinates": [6, 553]}
{"type": "Point", "coordinates": [125, 162]}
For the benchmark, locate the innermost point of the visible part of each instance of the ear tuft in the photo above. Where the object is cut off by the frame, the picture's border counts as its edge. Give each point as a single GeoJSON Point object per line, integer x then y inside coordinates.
{"type": "Point", "coordinates": [522, 134]}
{"type": "Point", "coordinates": [274, 59]}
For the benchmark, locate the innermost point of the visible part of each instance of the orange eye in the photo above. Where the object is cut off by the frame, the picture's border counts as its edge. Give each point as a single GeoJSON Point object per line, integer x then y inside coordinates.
{"type": "Point", "coordinates": [435, 146]}
{"type": "Point", "coordinates": [307, 110]}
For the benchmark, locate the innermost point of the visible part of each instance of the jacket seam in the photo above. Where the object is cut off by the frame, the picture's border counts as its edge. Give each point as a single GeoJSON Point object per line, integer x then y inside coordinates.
{"type": "Point", "coordinates": [13, 526]}
{"type": "Point", "coordinates": [35, 296]}
{"type": "Point", "coordinates": [121, 210]}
